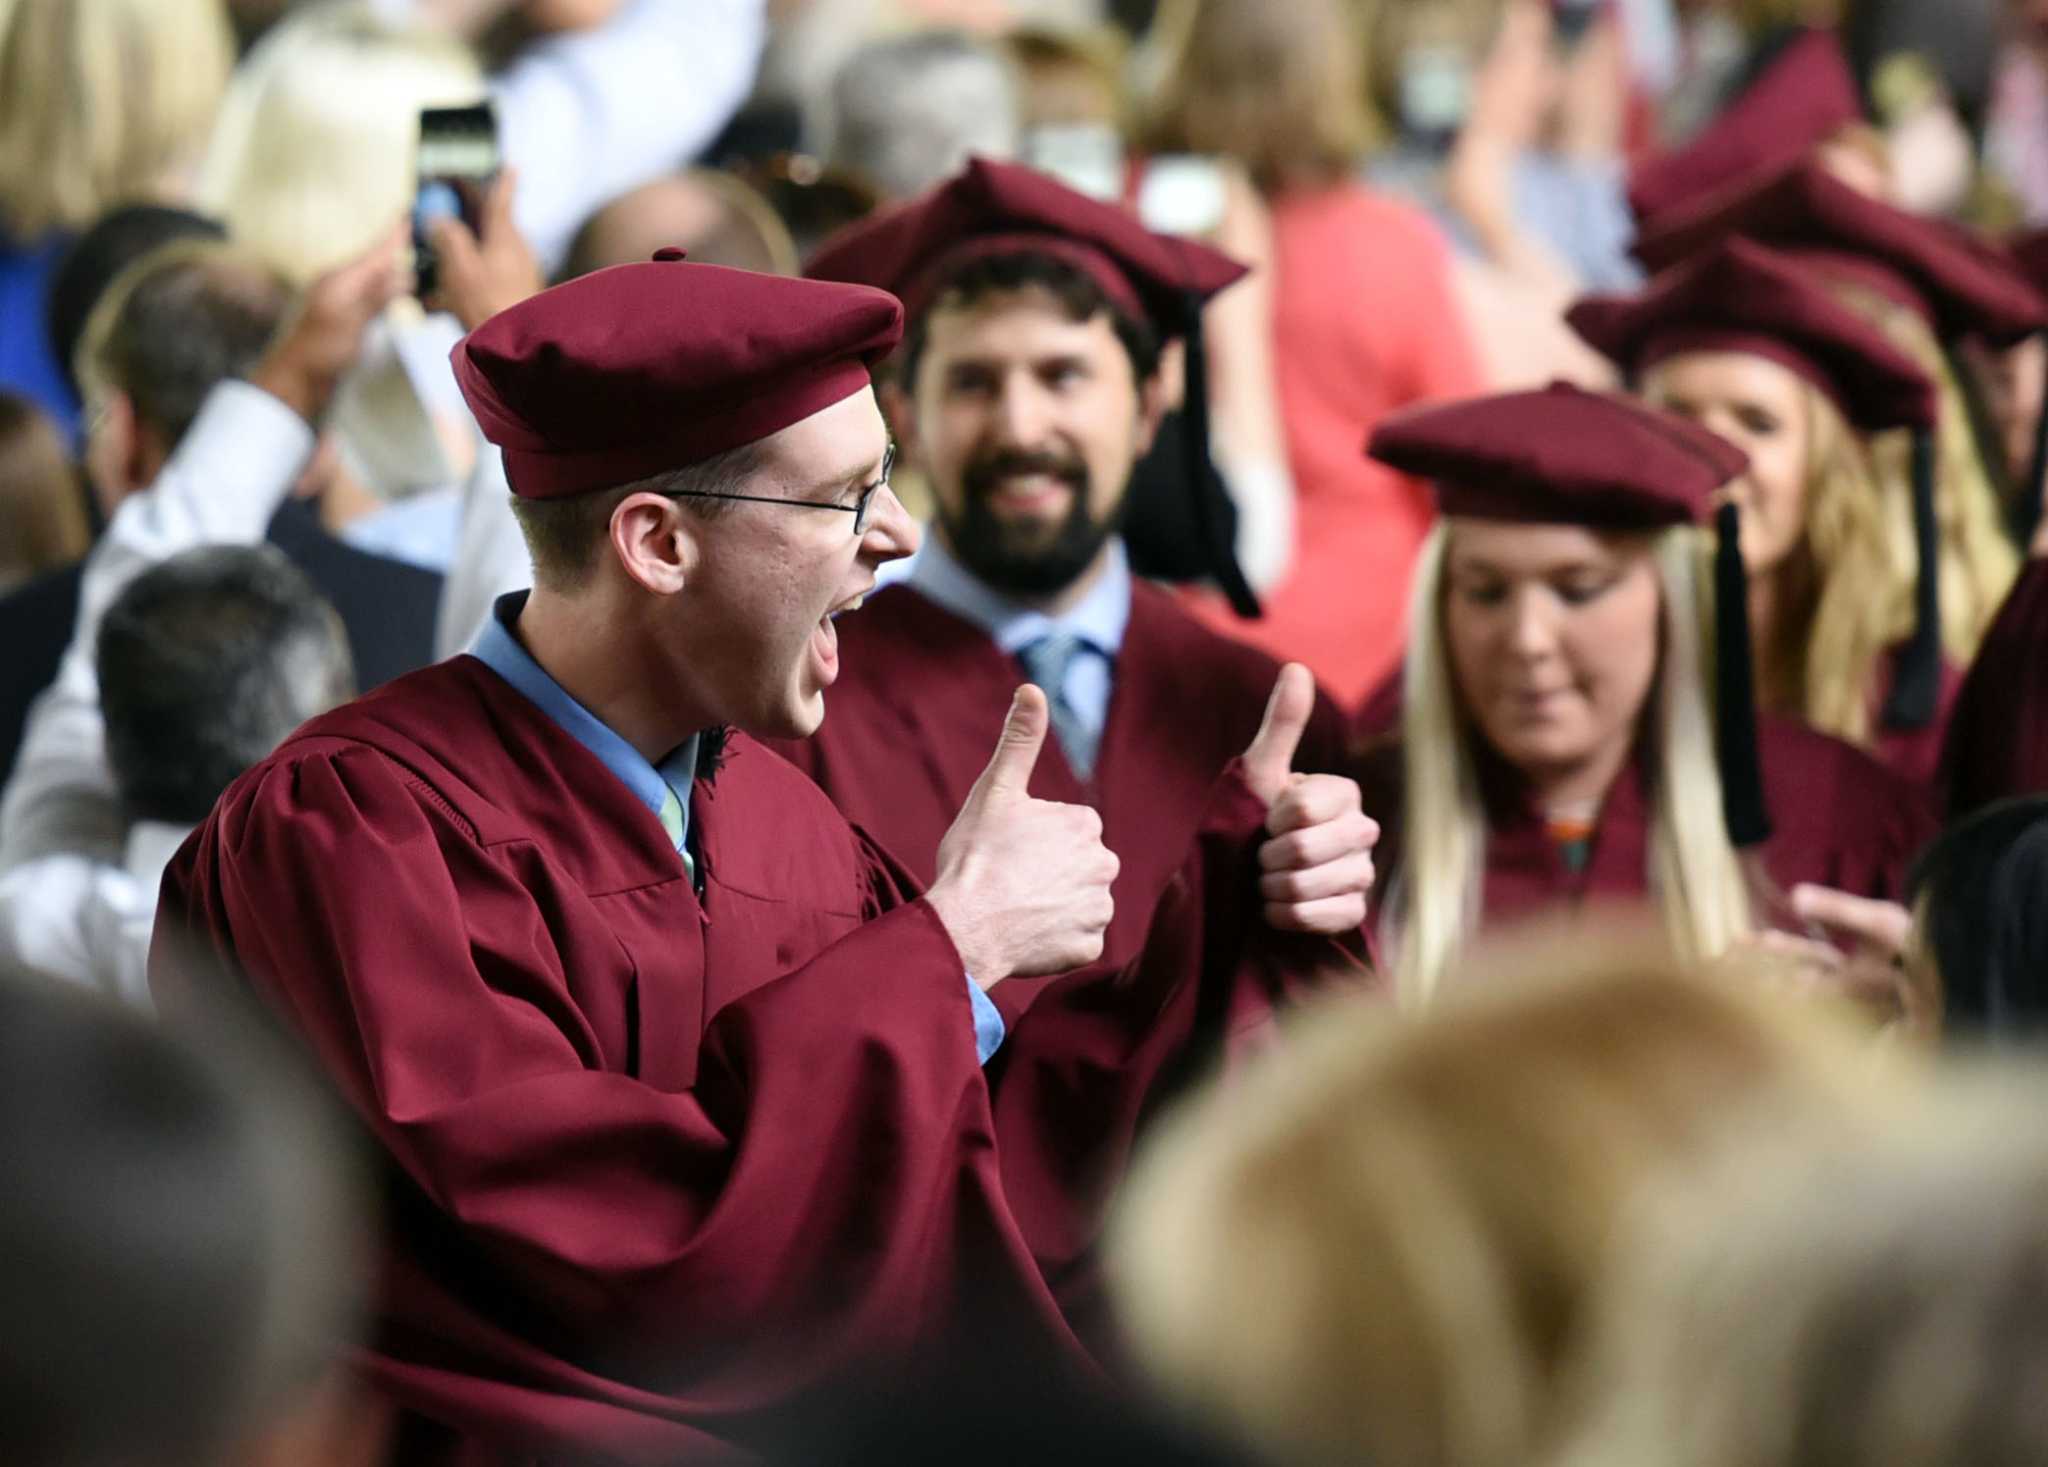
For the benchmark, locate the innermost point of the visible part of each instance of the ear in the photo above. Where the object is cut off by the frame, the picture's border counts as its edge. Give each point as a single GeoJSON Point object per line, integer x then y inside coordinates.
{"type": "Point", "coordinates": [899, 409]}
{"type": "Point", "coordinates": [656, 542]}
{"type": "Point", "coordinates": [1154, 394]}
{"type": "Point", "coordinates": [148, 452]}
{"type": "Point", "coordinates": [110, 453]}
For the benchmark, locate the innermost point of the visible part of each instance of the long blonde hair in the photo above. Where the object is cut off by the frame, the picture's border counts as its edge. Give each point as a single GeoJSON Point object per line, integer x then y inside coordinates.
{"type": "Point", "coordinates": [102, 102]}
{"type": "Point", "coordinates": [1978, 560]}
{"type": "Point", "coordinates": [1852, 577]}
{"type": "Point", "coordinates": [1863, 575]}
{"type": "Point", "coordinates": [1695, 875]}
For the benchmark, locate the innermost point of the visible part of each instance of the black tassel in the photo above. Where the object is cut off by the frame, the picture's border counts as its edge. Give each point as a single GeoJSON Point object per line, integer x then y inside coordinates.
{"type": "Point", "coordinates": [711, 747]}
{"type": "Point", "coordinates": [1743, 808]}
{"type": "Point", "coordinates": [1215, 510]}
{"type": "Point", "coordinates": [2029, 516]}
{"type": "Point", "coordinates": [1916, 692]}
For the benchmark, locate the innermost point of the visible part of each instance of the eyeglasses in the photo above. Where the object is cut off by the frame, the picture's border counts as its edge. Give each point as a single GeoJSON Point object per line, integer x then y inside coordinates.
{"type": "Point", "coordinates": [859, 509]}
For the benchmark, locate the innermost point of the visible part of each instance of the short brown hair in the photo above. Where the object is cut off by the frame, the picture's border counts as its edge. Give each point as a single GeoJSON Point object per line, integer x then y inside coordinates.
{"type": "Point", "coordinates": [564, 535]}
{"type": "Point", "coordinates": [177, 323]}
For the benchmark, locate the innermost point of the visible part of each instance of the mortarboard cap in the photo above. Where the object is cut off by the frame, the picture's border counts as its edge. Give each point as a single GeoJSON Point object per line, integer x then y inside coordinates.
{"type": "Point", "coordinates": [1560, 455]}
{"type": "Point", "coordinates": [1961, 285]}
{"type": "Point", "coordinates": [1801, 100]}
{"type": "Point", "coordinates": [1563, 455]}
{"type": "Point", "coordinates": [638, 369]}
{"type": "Point", "coordinates": [991, 209]}
{"type": "Point", "coordinates": [1746, 297]}
{"type": "Point", "coordinates": [997, 208]}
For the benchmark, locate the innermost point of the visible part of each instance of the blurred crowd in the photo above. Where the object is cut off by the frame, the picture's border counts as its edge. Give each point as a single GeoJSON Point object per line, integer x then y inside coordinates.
{"type": "Point", "coordinates": [1633, 413]}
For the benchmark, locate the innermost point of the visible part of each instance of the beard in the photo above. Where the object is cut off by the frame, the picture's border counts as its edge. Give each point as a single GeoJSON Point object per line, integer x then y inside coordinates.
{"type": "Point", "coordinates": [1026, 559]}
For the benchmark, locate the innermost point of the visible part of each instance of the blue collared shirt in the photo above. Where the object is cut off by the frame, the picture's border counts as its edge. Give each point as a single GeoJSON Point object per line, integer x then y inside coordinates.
{"type": "Point", "coordinates": [1098, 621]}
{"type": "Point", "coordinates": [498, 647]}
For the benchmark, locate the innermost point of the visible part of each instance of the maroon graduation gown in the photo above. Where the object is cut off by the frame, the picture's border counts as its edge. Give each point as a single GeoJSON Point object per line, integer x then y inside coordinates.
{"type": "Point", "coordinates": [921, 697]}
{"type": "Point", "coordinates": [662, 1163]}
{"type": "Point", "coordinates": [1839, 816]}
{"type": "Point", "coordinates": [1998, 736]}
{"type": "Point", "coordinates": [1915, 752]}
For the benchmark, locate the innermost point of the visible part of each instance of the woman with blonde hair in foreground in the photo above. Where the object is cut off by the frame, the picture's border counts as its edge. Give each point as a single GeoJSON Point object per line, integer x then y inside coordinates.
{"type": "Point", "coordinates": [1575, 724]}
{"type": "Point", "coordinates": [1879, 1304]}
{"type": "Point", "coordinates": [1379, 1243]}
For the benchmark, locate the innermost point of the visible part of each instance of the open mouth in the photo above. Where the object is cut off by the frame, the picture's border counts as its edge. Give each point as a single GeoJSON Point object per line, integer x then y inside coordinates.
{"type": "Point", "coordinates": [851, 603]}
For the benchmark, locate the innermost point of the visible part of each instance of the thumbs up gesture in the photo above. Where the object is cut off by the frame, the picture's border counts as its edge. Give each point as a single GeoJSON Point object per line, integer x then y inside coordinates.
{"type": "Point", "coordinates": [1023, 884]}
{"type": "Point", "coordinates": [1316, 869]}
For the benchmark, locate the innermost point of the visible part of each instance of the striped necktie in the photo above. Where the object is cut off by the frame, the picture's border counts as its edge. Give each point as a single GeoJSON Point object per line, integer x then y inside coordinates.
{"type": "Point", "coordinates": [1047, 662]}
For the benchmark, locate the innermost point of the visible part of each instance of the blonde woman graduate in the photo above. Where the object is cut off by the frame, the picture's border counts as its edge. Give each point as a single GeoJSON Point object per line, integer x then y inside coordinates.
{"type": "Point", "coordinates": [1845, 615]}
{"type": "Point", "coordinates": [1569, 731]}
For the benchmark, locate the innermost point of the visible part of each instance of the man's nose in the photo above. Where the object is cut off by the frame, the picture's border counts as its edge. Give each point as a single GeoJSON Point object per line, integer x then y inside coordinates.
{"type": "Point", "coordinates": [891, 533]}
{"type": "Point", "coordinates": [1022, 416]}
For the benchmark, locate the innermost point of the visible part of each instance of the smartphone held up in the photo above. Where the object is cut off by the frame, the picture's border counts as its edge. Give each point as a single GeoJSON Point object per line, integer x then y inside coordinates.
{"type": "Point", "coordinates": [457, 161]}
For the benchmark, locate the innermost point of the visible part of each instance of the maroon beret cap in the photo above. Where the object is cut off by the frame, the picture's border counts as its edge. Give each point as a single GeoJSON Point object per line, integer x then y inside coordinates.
{"type": "Point", "coordinates": [1801, 100]}
{"type": "Point", "coordinates": [639, 369]}
{"type": "Point", "coordinates": [1743, 297]}
{"type": "Point", "coordinates": [1561, 455]}
{"type": "Point", "coordinates": [1962, 285]}
{"type": "Point", "coordinates": [999, 208]}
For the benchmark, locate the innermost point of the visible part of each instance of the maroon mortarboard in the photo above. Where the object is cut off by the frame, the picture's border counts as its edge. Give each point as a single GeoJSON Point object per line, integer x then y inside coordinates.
{"type": "Point", "coordinates": [1560, 455]}
{"type": "Point", "coordinates": [1805, 96]}
{"type": "Point", "coordinates": [1563, 455]}
{"type": "Point", "coordinates": [1960, 284]}
{"type": "Point", "coordinates": [1744, 297]}
{"type": "Point", "coordinates": [992, 209]}
{"type": "Point", "coordinates": [638, 369]}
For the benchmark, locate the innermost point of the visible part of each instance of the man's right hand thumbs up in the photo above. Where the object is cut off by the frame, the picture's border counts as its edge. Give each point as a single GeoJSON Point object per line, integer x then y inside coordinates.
{"type": "Point", "coordinates": [1023, 884]}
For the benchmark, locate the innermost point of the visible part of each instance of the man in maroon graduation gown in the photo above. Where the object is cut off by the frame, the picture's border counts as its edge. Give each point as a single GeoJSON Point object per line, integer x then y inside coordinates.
{"type": "Point", "coordinates": [678, 1075]}
{"type": "Point", "coordinates": [1028, 386]}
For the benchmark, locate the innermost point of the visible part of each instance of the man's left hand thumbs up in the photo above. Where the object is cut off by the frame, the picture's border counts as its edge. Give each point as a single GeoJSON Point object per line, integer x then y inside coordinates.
{"type": "Point", "coordinates": [1317, 867]}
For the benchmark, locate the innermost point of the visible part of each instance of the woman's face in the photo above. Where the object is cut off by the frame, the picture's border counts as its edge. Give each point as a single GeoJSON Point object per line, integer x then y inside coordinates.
{"type": "Point", "coordinates": [1553, 637]}
{"type": "Point", "coordinates": [1761, 407]}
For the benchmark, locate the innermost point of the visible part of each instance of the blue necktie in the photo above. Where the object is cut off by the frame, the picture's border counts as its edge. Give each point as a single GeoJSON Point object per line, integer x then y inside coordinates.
{"type": "Point", "coordinates": [1047, 662]}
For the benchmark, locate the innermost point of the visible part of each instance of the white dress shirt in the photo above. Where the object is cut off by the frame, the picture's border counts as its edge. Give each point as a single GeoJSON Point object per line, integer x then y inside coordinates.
{"type": "Point", "coordinates": [76, 882]}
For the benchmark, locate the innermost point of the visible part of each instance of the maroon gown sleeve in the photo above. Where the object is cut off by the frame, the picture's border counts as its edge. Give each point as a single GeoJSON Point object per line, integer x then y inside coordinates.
{"type": "Point", "coordinates": [808, 1202]}
{"type": "Point", "coordinates": [1998, 734]}
{"type": "Point", "coordinates": [1090, 1063]}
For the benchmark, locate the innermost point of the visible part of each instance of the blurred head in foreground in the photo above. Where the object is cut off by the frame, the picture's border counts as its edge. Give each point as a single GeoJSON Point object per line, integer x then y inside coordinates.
{"type": "Point", "coordinates": [1883, 1302]}
{"type": "Point", "coordinates": [182, 1235]}
{"type": "Point", "coordinates": [1382, 1245]}
{"type": "Point", "coordinates": [1979, 895]}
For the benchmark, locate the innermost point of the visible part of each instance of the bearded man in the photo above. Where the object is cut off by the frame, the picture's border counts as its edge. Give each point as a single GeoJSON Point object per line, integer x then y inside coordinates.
{"type": "Point", "coordinates": [1028, 385]}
